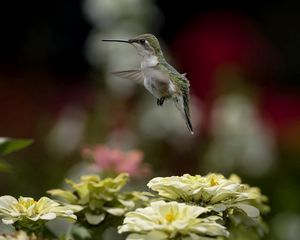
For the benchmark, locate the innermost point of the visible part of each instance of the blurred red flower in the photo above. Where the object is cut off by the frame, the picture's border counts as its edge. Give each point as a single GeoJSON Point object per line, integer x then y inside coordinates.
{"type": "Point", "coordinates": [220, 39]}
{"type": "Point", "coordinates": [218, 47]}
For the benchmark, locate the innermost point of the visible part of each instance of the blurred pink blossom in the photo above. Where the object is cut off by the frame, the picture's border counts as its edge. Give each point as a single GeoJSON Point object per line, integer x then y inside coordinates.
{"type": "Point", "coordinates": [117, 161]}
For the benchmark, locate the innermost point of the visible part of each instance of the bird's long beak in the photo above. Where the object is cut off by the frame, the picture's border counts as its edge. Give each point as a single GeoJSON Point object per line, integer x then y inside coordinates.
{"type": "Point", "coordinates": [116, 40]}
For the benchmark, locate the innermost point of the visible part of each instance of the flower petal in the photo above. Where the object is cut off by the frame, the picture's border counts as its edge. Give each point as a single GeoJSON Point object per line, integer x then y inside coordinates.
{"type": "Point", "coordinates": [115, 211]}
{"type": "Point", "coordinates": [48, 216]}
{"type": "Point", "coordinates": [8, 221]}
{"type": "Point", "coordinates": [6, 202]}
{"type": "Point", "coordinates": [248, 209]}
{"type": "Point", "coordinates": [93, 218]}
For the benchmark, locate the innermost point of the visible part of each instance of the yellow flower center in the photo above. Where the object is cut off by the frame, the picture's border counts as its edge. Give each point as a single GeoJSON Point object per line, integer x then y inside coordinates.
{"type": "Point", "coordinates": [213, 182]}
{"type": "Point", "coordinates": [27, 203]}
{"type": "Point", "coordinates": [26, 206]}
{"type": "Point", "coordinates": [170, 217]}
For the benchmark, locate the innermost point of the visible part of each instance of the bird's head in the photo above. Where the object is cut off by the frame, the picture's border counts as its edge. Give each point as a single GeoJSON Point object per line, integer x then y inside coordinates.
{"type": "Point", "coordinates": [146, 44]}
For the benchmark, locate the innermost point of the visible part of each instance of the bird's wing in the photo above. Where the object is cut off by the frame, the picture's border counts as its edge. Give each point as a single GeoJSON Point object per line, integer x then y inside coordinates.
{"type": "Point", "coordinates": [182, 83]}
{"type": "Point", "coordinates": [158, 75]}
{"type": "Point", "coordinates": [134, 75]}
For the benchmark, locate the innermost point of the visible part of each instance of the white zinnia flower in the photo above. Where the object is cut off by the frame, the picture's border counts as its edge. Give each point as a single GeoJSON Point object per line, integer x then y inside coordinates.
{"type": "Point", "coordinates": [213, 190]}
{"type": "Point", "coordinates": [170, 220]}
{"type": "Point", "coordinates": [19, 235]}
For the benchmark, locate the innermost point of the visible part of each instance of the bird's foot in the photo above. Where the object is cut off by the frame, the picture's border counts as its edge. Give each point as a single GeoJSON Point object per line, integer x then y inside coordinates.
{"type": "Point", "coordinates": [160, 101]}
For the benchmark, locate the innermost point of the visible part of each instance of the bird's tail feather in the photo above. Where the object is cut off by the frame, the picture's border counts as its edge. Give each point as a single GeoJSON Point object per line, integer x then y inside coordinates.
{"type": "Point", "coordinates": [183, 108]}
{"type": "Point", "coordinates": [188, 121]}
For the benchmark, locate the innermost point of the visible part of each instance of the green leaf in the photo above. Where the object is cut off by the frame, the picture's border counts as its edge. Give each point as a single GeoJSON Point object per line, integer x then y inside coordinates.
{"type": "Point", "coordinates": [9, 145]}
{"type": "Point", "coordinates": [78, 232]}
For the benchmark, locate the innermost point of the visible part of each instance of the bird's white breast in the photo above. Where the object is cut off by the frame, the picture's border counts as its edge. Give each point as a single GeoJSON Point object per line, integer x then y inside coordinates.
{"type": "Point", "coordinates": [149, 61]}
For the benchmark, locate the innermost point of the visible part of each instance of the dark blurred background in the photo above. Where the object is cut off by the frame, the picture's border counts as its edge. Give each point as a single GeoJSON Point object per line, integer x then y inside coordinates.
{"type": "Point", "coordinates": [242, 62]}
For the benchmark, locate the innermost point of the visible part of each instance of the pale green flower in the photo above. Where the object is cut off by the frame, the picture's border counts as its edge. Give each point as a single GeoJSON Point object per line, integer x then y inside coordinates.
{"type": "Point", "coordinates": [213, 190]}
{"type": "Point", "coordinates": [25, 208]}
{"type": "Point", "coordinates": [171, 220]}
{"type": "Point", "coordinates": [30, 215]}
{"type": "Point", "coordinates": [100, 197]}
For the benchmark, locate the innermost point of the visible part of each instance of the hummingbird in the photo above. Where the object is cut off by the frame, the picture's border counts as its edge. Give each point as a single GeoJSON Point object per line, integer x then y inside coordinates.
{"type": "Point", "coordinates": [157, 75]}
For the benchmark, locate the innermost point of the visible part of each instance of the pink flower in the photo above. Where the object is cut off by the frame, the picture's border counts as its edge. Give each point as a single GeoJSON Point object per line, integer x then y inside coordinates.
{"type": "Point", "coordinates": [116, 161]}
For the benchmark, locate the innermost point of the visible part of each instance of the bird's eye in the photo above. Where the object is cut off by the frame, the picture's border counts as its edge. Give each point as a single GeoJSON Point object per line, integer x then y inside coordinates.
{"type": "Point", "coordinates": [142, 41]}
